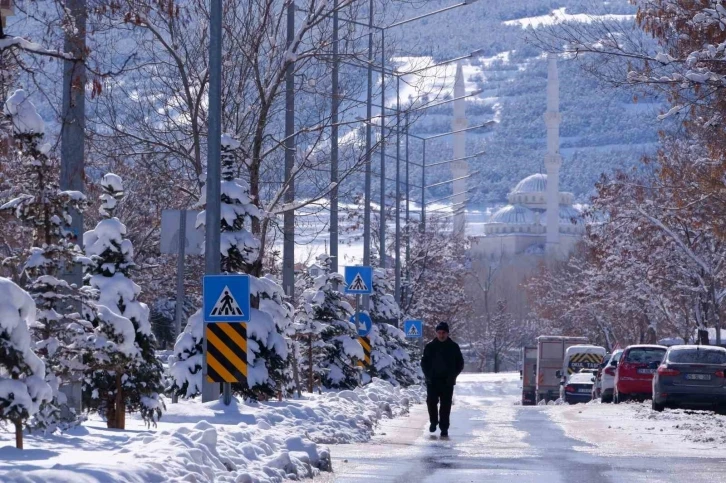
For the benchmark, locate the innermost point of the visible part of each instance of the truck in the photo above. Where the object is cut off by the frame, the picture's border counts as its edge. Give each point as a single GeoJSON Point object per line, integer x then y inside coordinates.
{"type": "Point", "coordinates": [550, 357]}
{"type": "Point", "coordinates": [529, 375]}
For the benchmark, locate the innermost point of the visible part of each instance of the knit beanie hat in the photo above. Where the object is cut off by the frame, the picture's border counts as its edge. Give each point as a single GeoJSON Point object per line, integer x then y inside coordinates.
{"type": "Point", "coordinates": [442, 326]}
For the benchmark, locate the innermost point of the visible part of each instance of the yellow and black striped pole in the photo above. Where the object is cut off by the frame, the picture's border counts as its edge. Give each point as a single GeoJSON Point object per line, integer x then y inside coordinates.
{"type": "Point", "coordinates": [226, 351]}
{"type": "Point", "coordinates": [365, 342]}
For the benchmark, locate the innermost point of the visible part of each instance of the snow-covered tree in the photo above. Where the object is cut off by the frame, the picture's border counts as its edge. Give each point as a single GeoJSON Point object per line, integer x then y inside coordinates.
{"type": "Point", "coordinates": [44, 212]}
{"type": "Point", "coordinates": [324, 314]}
{"type": "Point", "coordinates": [394, 358]}
{"type": "Point", "coordinates": [23, 388]}
{"type": "Point", "coordinates": [185, 366]}
{"type": "Point", "coordinates": [267, 347]}
{"type": "Point", "coordinates": [137, 385]}
{"type": "Point", "coordinates": [435, 287]}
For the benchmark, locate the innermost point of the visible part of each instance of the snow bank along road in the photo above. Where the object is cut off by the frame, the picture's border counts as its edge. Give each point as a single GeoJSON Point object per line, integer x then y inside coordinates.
{"type": "Point", "coordinates": [210, 442]}
{"type": "Point", "coordinates": [492, 439]}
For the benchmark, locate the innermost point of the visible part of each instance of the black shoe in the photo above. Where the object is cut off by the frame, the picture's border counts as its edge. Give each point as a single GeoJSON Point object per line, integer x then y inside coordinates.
{"type": "Point", "coordinates": [432, 428]}
{"type": "Point", "coordinates": [444, 433]}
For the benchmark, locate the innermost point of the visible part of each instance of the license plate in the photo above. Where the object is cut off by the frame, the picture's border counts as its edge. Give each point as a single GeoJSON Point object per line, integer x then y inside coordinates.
{"type": "Point", "coordinates": [646, 371]}
{"type": "Point", "coordinates": [698, 377]}
{"type": "Point", "coordinates": [584, 390]}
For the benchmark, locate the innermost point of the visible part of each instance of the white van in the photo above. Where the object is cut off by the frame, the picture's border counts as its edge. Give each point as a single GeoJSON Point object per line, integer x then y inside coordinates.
{"type": "Point", "coordinates": [578, 357]}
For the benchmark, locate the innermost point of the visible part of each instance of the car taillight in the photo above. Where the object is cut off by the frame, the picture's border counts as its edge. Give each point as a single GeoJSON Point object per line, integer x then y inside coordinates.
{"type": "Point", "coordinates": [720, 374]}
{"type": "Point", "coordinates": [610, 371]}
{"type": "Point", "coordinates": [569, 389]}
{"type": "Point", "coordinates": [664, 371]}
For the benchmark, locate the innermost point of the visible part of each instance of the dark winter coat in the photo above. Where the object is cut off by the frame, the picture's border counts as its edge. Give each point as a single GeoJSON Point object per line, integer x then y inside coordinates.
{"type": "Point", "coordinates": [442, 362]}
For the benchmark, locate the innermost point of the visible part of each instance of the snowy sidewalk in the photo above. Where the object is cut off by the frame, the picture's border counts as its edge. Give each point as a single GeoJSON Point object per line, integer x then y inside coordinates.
{"type": "Point", "coordinates": [266, 442]}
{"type": "Point", "coordinates": [634, 428]}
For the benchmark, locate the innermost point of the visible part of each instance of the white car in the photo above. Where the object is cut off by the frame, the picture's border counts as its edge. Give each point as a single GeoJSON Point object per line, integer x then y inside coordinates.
{"type": "Point", "coordinates": [607, 379]}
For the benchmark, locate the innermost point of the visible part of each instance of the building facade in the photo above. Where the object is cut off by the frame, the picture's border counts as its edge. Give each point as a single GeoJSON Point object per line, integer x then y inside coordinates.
{"type": "Point", "coordinates": [539, 221]}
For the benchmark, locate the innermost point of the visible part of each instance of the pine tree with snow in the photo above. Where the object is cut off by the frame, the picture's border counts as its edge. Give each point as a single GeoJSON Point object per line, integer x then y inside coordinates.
{"type": "Point", "coordinates": [394, 358]}
{"type": "Point", "coordinates": [185, 366]}
{"type": "Point", "coordinates": [23, 388]}
{"type": "Point", "coordinates": [112, 388]}
{"type": "Point", "coordinates": [267, 347]}
{"type": "Point", "coordinates": [325, 315]}
{"type": "Point", "coordinates": [44, 210]}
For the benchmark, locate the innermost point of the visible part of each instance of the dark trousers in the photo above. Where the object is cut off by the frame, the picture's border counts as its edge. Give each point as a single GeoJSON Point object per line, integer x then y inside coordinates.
{"type": "Point", "coordinates": [435, 394]}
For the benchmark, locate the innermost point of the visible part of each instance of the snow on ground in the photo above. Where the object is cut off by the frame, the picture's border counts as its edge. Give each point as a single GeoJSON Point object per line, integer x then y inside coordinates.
{"type": "Point", "coordinates": [560, 15]}
{"type": "Point", "coordinates": [196, 442]}
{"type": "Point", "coordinates": [633, 428]}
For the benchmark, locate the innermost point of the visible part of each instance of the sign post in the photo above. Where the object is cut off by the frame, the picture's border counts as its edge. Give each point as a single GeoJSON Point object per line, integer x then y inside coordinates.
{"type": "Point", "coordinates": [226, 309]}
{"type": "Point", "coordinates": [359, 281]}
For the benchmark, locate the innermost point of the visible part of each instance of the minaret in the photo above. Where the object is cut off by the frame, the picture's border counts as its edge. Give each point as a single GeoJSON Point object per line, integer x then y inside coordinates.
{"type": "Point", "coordinates": [553, 160]}
{"type": "Point", "coordinates": [459, 169]}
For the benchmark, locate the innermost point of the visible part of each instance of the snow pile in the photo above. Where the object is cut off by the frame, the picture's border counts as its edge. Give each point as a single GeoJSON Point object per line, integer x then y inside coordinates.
{"type": "Point", "coordinates": [640, 431]}
{"type": "Point", "coordinates": [694, 426]}
{"type": "Point", "coordinates": [204, 442]}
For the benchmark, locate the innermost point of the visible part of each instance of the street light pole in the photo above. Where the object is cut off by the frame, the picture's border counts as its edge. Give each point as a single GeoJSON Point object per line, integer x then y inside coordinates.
{"type": "Point", "coordinates": [368, 173]}
{"type": "Point", "coordinates": [423, 188]}
{"type": "Point", "coordinates": [398, 191]}
{"type": "Point", "coordinates": [408, 226]}
{"type": "Point", "coordinates": [212, 255]}
{"type": "Point", "coordinates": [334, 148]}
{"type": "Point", "coordinates": [382, 225]}
{"type": "Point", "coordinates": [288, 244]}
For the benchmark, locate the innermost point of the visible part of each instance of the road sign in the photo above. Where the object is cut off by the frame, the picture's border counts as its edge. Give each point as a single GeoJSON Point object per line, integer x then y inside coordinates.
{"type": "Point", "coordinates": [413, 328]}
{"type": "Point", "coordinates": [366, 343]}
{"type": "Point", "coordinates": [226, 298]}
{"type": "Point", "coordinates": [359, 280]}
{"type": "Point", "coordinates": [364, 325]}
{"type": "Point", "coordinates": [194, 236]}
{"type": "Point", "coordinates": [226, 351]}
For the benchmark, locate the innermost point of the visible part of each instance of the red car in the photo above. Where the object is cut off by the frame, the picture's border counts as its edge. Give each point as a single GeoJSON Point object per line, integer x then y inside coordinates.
{"type": "Point", "coordinates": [634, 372]}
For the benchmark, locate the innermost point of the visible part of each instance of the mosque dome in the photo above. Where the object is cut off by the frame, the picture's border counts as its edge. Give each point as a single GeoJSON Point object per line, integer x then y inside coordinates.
{"type": "Point", "coordinates": [535, 183]}
{"type": "Point", "coordinates": [514, 215]}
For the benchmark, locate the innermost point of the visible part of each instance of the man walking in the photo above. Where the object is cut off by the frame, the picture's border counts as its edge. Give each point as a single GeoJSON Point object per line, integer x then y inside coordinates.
{"type": "Point", "coordinates": [442, 362]}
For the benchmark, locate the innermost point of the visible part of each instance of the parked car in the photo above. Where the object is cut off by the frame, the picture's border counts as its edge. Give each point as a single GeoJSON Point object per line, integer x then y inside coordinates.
{"type": "Point", "coordinates": [596, 387]}
{"type": "Point", "coordinates": [691, 376]}
{"type": "Point", "coordinates": [607, 378]}
{"type": "Point", "coordinates": [578, 388]}
{"type": "Point", "coordinates": [635, 370]}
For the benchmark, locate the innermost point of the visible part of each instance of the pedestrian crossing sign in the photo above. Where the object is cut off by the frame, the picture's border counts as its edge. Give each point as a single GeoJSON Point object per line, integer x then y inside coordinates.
{"type": "Point", "coordinates": [226, 298]}
{"type": "Point", "coordinates": [413, 328]}
{"type": "Point", "coordinates": [359, 280]}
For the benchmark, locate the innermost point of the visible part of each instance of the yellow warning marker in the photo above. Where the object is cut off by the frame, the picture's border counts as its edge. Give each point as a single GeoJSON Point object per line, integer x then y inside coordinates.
{"type": "Point", "coordinates": [365, 342]}
{"type": "Point", "coordinates": [226, 351]}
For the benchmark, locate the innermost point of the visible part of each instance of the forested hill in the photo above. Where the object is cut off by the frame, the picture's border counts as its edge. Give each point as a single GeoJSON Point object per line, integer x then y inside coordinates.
{"type": "Point", "coordinates": [602, 128]}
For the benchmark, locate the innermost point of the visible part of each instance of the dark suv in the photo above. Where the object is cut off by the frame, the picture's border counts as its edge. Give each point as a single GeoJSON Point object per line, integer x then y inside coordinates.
{"type": "Point", "coordinates": [691, 376]}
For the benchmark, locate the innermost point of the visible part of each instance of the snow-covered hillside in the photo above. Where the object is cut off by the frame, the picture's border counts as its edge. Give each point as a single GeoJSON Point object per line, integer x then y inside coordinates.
{"type": "Point", "coordinates": [602, 129]}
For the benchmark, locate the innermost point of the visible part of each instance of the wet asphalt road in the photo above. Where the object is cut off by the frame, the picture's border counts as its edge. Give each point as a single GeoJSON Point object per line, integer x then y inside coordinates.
{"type": "Point", "coordinates": [493, 440]}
